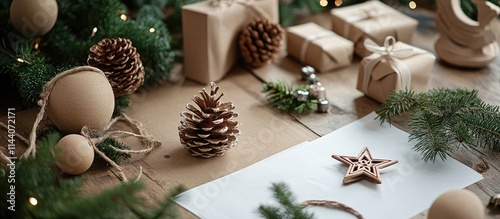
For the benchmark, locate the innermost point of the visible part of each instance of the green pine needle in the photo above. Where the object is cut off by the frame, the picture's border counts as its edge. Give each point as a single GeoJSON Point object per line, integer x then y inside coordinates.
{"type": "Point", "coordinates": [288, 208]}
{"type": "Point", "coordinates": [444, 119]}
{"type": "Point", "coordinates": [284, 98]}
{"type": "Point", "coordinates": [63, 198]}
{"type": "Point", "coordinates": [111, 153]}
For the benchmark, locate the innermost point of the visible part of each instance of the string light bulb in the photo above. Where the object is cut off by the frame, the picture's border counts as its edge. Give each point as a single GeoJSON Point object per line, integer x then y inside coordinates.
{"type": "Point", "coordinates": [94, 30]}
{"type": "Point", "coordinates": [323, 3]}
{"type": "Point", "coordinates": [37, 43]}
{"type": "Point", "coordinates": [20, 60]}
{"type": "Point", "coordinates": [412, 5]}
{"type": "Point", "coordinates": [152, 30]}
{"type": "Point", "coordinates": [123, 17]}
{"type": "Point", "coordinates": [338, 3]}
{"type": "Point", "coordinates": [33, 201]}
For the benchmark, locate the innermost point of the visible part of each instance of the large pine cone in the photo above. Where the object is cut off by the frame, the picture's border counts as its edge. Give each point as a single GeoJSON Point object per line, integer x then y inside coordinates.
{"type": "Point", "coordinates": [210, 130]}
{"type": "Point", "coordinates": [121, 63]}
{"type": "Point", "coordinates": [260, 42]}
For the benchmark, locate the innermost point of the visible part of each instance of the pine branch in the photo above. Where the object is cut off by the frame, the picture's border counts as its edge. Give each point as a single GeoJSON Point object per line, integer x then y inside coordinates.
{"type": "Point", "coordinates": [112, 154]}
{"type": "Point", "coordinates": [62, 198]}
{"type": "Point", "coordinates": [284, 98]}
{"type": "Point", "coordinates": [288, 207]}
{"type": "Point", "coordinates": [443, 119]}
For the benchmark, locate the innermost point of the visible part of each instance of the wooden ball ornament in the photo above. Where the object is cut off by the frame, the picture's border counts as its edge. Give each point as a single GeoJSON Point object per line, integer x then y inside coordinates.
{"type": "Point", "coordinates": [457, 204]}
{"type": "Point", "coordinates": [74, 154]}
{"type": "Point", "coordinates": [82, 98]}
{"type": "Point", "coordinates": [33, 18]}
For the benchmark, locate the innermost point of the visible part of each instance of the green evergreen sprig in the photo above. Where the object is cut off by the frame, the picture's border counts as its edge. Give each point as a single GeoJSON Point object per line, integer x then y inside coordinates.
{"type": "Point", "coordinates": [283, 97]}
{"type": "Point", "coordinates": [67, 44]}
{"type": "Point", "coordinates": [442, 119]}
{"type": "Point", "coordinates": [62, 198]}
{"type": "Point", "coordinates": [288, 207]}
{"type": "Point", "coordinates": [111, 153]}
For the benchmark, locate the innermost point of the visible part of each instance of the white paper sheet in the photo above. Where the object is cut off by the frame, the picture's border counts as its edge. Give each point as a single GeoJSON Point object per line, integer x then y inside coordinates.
{"type": "Point", "coordinates": [408, 187]}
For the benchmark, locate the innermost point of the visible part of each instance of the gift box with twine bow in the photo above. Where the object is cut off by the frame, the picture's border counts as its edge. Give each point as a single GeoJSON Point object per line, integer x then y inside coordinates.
{"type": "Point", "coordinates": [210, 34]}
{"type": "Point", "coordinates": [318, 47]}
{"type": "Point", "coordinates": [392, 67]}
{"type": "Point", "coordinates": [373, 20]}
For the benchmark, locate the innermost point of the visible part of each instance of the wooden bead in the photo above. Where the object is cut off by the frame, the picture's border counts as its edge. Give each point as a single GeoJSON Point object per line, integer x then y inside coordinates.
{"type": "Point", "coordinates": [74, 154]}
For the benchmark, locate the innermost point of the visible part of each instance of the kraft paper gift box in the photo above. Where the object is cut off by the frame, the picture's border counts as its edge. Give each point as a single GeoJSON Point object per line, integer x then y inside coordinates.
{"type": "Point", "coordinates": [392, 67]}
{"type": "Point", "coordinates": [373, 20]}
{"type": "Point", "coordinates": [318, 47]}
{"type": "Point", "coordinates": [210, 34]}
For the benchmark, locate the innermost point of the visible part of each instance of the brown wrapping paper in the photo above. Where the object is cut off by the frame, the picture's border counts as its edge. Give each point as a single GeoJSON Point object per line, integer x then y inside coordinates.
{"type": "Point", "coordinates": [374, 20]}
{"type": "Point", "coordinates": [210, 34]}
{"type": "Point", "coordinates": [383, 77]}
{"type": "Point", "coordinates": [318, 47]}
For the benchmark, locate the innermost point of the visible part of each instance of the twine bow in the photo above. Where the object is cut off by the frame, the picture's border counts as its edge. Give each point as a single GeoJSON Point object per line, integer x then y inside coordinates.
{"type": "Point", "coordinates": [147, 140]}
{"type": "Point", "coordinates": [311, 38]}
{"type": "Point", "coordinates": [393, 55]}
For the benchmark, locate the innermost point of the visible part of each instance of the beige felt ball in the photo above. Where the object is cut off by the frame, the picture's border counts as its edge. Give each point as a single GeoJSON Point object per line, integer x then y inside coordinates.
{"type": "Point", "coordinates": [84, 98]}
{"type": "Point", "coordinates": [33, 18]}
{"type": "Point", "coordinates": [74, 154]}
{"type": "Point", "coordinates": [457, 204]}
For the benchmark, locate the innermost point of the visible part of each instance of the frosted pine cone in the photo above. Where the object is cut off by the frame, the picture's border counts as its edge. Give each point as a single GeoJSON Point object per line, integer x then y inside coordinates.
{"type": "Point", "coordinates": [121, 63]}
{"type": "Point", "coordinates": [210, 130]}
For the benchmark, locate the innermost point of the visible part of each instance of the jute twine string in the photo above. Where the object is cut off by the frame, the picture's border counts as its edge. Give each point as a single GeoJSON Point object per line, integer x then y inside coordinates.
{"type": "Point", "coordinates": [332, 204]}
{"type": "Point", "coordinates": [147, 140]}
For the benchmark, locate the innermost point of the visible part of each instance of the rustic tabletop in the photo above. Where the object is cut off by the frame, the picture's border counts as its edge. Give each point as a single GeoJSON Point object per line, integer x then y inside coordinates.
{"type": "Point", "coordinates": [266, 132]}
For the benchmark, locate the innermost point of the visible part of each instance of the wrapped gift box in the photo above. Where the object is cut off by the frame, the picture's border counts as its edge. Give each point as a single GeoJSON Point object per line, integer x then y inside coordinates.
{"type": "Point", "coordinates": [374, 20]}
{"type": "Point", "coordinates": [318, 47]}
{"type": "Point", "coordinates": [407, 67]}
{"type": "Point", "coordinates": [210, 33]}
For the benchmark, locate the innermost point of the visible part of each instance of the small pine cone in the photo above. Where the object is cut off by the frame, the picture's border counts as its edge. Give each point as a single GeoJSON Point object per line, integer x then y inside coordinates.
{"type": "Point", "coordinates": [260, 42]}
{"type": "Point", "coordinates": [121, 63]}
{"type": "Point", "coordinates": [210, 130]}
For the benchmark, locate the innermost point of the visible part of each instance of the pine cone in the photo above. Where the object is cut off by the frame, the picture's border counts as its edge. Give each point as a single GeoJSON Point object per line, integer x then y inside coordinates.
{"type": "Point", "coordinates": [121, 63]}
{"type": "Point", "coordinates": [210, 130]}
{"type": "Point", "coordinates": [260, 42]}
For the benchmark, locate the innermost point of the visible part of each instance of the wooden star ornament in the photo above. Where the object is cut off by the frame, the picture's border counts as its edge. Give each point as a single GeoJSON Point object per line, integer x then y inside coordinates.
{"type": "Point", "coordinates": [363, 167]}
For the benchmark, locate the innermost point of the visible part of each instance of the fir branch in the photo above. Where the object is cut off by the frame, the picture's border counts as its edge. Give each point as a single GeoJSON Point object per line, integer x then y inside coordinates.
{"type": "Point", "coordinates": [443, 119]}
{"type": "Point", "coordinates": [288, 207]}
{"type": "Point", "coordinates": [111, 153]}
{"type": "Point", "coordinates": [284, 98]}
{"type": "Point", "coordinates": [62, 198]}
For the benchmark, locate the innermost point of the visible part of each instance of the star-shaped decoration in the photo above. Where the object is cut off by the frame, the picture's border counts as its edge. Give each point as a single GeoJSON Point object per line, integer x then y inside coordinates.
{"type": "Point", "coordinates": [363, 166]}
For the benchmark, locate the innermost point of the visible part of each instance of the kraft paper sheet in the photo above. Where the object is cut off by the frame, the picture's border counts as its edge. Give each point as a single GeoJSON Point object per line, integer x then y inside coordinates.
{"type": "Point", "coordinates": [407, 188]}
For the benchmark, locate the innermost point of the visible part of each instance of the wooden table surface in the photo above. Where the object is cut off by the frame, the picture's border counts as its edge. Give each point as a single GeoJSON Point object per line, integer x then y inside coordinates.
{"type": "Point", "coordinates": [266, 131]}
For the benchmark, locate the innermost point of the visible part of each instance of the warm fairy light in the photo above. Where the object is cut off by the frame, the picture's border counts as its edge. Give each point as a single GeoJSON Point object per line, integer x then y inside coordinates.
{"type": "Point", "coordinates": [33, 201]}
{"type": "Point", "coordinates": [37, 44]}
{"type": "Point", "coordinates": [94, 31]}
{"type": "Point", "coordinates": [20, 60]}
{"type": "Point", "coordinates": [123, 17]}
{"type": "Point", "coordinates": [151, 30]}
{"type": "Point", "coordinates": [323, 3]}
{"type": "Point", "coordinates": [412, 5]}
{"type": "Point", "coordinates": [338, 3]}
